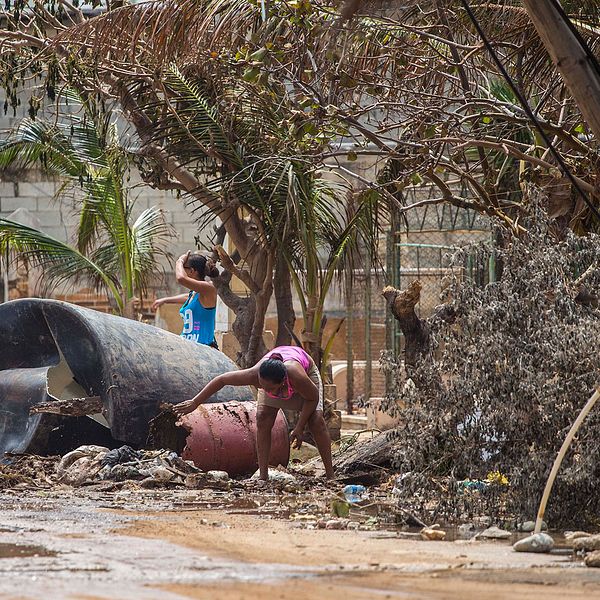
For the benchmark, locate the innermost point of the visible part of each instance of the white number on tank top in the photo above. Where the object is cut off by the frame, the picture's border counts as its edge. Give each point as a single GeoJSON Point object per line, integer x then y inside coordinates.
{"type": "Point", "coordinates": [188, 321]}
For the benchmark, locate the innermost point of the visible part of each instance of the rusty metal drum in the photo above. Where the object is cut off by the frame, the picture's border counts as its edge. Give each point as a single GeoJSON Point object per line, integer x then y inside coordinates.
{"type": "Point", "coordinates": [222, 436]}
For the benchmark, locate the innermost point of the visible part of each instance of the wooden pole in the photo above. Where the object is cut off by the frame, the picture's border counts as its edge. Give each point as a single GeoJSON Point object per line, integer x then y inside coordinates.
{"type": "Point", "coordinates": [368, 370]}
{"type": "Point", "coordinates": [570, 58]}
{"type": "Point", "coordinates": [561, 454]}
{"type": "Point", "coordinates": [349, 344]}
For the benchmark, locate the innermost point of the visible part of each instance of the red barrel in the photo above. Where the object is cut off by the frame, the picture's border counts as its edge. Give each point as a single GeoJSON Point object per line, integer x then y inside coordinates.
{"type": "Point", "coordinates": [223, 437]}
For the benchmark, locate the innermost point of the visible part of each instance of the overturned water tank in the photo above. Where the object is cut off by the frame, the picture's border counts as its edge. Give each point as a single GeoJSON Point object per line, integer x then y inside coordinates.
{"type": "Point", "coordinates": [220, 436]}
{"type": "Point", "coordinates": [53, 352]}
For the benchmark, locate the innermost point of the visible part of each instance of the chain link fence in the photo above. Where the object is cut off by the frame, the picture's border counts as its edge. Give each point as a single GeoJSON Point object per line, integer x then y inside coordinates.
{"type": "Point", "coordinates": [420, 247]}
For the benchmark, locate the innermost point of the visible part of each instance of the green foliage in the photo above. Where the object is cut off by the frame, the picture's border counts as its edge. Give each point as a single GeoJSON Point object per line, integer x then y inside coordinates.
{"type": "Point", "coordinates": [112, 250]}
{"type": "Point", "coordinates": [239, 140]}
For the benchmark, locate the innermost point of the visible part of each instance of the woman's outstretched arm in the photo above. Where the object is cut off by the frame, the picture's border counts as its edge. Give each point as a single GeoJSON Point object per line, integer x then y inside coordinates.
{"type": "Point", "coordinates": [235, 378]}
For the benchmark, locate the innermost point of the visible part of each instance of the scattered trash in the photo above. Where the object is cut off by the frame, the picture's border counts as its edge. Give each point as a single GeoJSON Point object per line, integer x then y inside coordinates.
{"type": "Point", "coordinates": [494, 533]}
{"type": "Point", "coordinates": [27, 471]}
{"type": "Point", "coordinates": [473, 485]}
{"type": "Point", "coordinates": [277, 476]}
{"type": "Point", "coordinates": [88, 464]}
{"type": "Point", "coordinates": [354, 493]}
{"type": "Point", "coordinates": [340, 508]}
{"type": "Point", "coordinates": [496, 477]}
{"type": "Point", "coordinates": [82, 452]}
{"type": "Point", "coordinates": [539, 542]}
{"type": "Point", "coordinates": [117, 456]}
{"type": "Point", "coordinates": [397, 489]}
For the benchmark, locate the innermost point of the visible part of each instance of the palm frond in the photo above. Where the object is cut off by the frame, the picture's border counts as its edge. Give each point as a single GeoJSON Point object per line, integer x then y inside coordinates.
{"type": "Point", "coordinates": [151, 235]}
{"type": "Point", "coordinates": [59, 262]}
{"type": "Point", "coordinates": [34, 142]}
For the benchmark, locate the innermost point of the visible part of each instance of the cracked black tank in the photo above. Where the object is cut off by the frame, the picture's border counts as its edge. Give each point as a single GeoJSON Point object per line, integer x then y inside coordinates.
{"type": "Point", "coordinates": [53, 352]}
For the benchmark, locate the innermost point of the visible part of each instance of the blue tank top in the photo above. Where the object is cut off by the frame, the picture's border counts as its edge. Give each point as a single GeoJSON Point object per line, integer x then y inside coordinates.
{"type": "Point", "coordinates": [198, 322]}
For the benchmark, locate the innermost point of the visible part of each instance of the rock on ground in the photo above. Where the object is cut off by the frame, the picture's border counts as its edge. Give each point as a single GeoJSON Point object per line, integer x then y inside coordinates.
{"type": "Point", "coordinates": [587, 544]}
{"type": "Point", "coordinates": [539, 542]}
{"type": "Point", "coordinates": [494, 533]}
{"type": "Point", "coordinates": [593, 559]}
{"type": "Point", "coordinates": [429, 533]}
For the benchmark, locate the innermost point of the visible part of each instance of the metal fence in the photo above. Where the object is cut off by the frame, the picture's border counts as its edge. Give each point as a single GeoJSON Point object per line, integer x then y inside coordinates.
{"type": "Point", "coordinates": [420, 248]}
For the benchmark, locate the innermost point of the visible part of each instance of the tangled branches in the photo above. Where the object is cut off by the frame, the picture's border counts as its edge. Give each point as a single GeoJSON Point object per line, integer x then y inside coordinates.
{"type": "Point", "coordinates": [509, 377]}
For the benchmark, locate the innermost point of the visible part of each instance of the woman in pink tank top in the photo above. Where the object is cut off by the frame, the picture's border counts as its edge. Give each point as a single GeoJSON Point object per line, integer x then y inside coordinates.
{"type": "Point", "coordinates": [286, 378]}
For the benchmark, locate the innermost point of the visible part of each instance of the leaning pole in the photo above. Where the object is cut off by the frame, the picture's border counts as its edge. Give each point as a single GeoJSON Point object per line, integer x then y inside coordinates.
{"type": "Point", "coordinates": [561, 454]}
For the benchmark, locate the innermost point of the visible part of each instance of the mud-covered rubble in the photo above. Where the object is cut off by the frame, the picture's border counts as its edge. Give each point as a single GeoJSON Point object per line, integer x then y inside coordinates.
{"type": "Point", "coordinates": [87, 464]}
{"type": "Point", "coordinates": [122, 478]}
{"type": "Point", "coordinates": [27, 470]}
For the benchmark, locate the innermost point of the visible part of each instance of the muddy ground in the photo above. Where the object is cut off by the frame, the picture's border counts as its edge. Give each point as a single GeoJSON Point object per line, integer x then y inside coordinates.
{"type": "Point", "coordinates": [249, 543]}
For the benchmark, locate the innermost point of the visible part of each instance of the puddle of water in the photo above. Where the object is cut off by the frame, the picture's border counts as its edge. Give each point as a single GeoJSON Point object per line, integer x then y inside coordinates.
{"type": "Point", "coordinates": [23, 551]}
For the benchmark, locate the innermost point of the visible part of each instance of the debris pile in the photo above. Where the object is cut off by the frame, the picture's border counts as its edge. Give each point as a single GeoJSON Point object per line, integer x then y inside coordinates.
{"type": "Point", "coordinates": [501, 382]}
{"type": "Point", "coordinates": [27, 470]}
{"type": "Point", "coordinates": [152, 468]}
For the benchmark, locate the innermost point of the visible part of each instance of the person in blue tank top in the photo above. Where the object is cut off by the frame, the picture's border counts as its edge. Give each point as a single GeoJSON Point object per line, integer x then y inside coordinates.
{"type": "Point", "coordinates": [199, 306]}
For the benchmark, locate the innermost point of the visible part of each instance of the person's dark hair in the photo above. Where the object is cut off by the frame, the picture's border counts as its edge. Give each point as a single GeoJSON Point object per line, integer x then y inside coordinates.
{"type": "Point", "coordinates": [272, 368]}
{"type": "Point", "coordinates": [202, 265]}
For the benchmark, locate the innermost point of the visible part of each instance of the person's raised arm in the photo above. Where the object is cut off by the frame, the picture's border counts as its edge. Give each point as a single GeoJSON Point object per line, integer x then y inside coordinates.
{"type": "Point", "coordinates": [206, 290]}
{"type": "Point", "coordinates": [304, 385]}
{"type": "Point", "coordinates": [179, 299]}
{"type": "Point", "coordinates": [235, 378]}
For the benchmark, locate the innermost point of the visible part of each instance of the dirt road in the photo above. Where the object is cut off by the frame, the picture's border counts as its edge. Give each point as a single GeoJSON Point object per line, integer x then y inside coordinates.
{"type": "Point", "coordinates": [141, 544]}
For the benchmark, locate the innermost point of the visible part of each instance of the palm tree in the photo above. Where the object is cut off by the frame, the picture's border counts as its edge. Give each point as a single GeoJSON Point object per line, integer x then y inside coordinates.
{"type": "Point", "coordinates": [112, 251]}
{"type": "Point", "coordinates": [240, 140]}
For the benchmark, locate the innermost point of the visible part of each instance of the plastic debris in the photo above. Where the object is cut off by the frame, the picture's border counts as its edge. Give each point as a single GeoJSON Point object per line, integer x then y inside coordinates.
{"type": "Point", "coordinates": [340, 508]}
{"type": "Point", "coordinates": [277, 476]}
{"type": "Point", "coordinates": [473, 485]}
{"type": "Point", "coordinates": [354, 493]}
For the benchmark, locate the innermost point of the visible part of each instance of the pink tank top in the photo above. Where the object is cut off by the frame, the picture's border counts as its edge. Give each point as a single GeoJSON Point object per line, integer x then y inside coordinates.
{"type": "Point", "coordinates": [292, 353]}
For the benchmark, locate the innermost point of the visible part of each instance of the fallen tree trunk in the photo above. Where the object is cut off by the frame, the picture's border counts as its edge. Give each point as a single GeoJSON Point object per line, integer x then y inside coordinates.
{"type": "Point", "coordinates": [75, 407]}
{"type": "Point", "coordinates": [367, 462]}
{"type": "Point", "coordinates": [415, 330]}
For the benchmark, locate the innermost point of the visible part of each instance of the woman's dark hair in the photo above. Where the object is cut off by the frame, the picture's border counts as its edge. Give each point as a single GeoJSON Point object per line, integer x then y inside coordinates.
{"type": "Point", "coordinates": [202, 265]}
{"type": "Point", "coordinates": [273, 368]}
